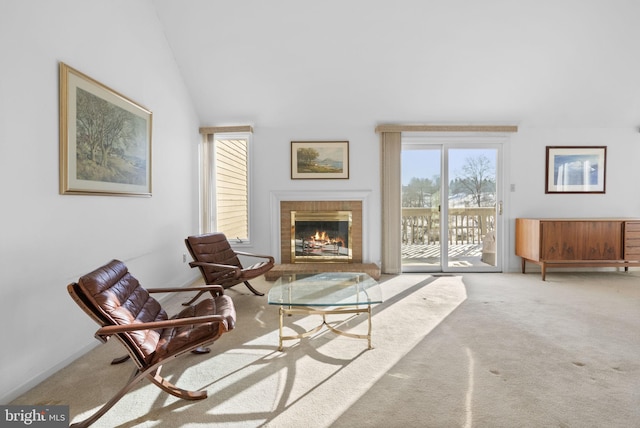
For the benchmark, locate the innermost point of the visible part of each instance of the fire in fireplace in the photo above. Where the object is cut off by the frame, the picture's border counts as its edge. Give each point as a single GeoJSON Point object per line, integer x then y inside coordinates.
{"type": "Point", "coordinates": [321, 236]}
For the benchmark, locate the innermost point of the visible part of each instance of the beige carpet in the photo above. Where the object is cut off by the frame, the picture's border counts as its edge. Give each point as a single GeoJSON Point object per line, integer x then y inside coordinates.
{"type": "Point", "coordinates": [477, 350]}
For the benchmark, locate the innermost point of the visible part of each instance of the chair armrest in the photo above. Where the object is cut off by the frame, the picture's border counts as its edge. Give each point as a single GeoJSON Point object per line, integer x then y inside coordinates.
{"type": "Point", "coordinates": [154, 325]}
{"type": "Point", "coordinates": [242, 253]}
{"type": "Point", "coordinates": [212, 287]}
{"type": "Point", "coordinates": [236, 270]}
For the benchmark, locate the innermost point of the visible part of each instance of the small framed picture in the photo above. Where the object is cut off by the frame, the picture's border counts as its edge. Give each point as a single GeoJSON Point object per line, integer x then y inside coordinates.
{"type": "Point", "coordinates": [576, 169]}
{"type": "Point", "coordinates": [319, 159]}
{"type": "Point", "coordinates": [105, 139]}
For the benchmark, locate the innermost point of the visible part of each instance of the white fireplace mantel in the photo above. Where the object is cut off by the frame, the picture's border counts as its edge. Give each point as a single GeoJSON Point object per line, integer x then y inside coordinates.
{"type": "Point", "coordinates": [278, 196]}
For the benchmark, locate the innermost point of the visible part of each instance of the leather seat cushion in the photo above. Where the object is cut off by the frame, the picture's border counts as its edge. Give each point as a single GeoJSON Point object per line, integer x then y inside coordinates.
{"type": "Point", "coordinates": [173, 339]}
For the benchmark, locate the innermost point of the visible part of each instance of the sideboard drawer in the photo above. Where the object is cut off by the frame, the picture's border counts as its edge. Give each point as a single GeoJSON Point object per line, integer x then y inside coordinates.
{"type": "Point", "coordinates": [632, 240]}
{"type": "Point", "coordinates": [632, 225]}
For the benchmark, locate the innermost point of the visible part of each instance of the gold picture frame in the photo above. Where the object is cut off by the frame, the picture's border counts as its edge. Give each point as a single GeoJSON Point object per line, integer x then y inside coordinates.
{"type": "Point", "coordinates": [319, 160]}
{"type": "Point", "coordinates": [105, 139]}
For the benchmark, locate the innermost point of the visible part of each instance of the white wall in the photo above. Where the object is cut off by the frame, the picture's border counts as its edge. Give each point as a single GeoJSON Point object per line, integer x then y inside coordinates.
{"type": "Point", "coordinates": [566, 74]}
{"type": "Point", "coordinates": [527, 171]}
{"type": "Point", "coordinates": [48, 240]}
{"type": "Point", "coordinates": [272, 172]}
{"type": "Point", "coordinates": [563, 72]}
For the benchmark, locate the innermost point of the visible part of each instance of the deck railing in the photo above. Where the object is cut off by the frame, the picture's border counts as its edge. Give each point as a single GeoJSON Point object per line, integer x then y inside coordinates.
{"type": "Point", "coordinates": [466, 225]}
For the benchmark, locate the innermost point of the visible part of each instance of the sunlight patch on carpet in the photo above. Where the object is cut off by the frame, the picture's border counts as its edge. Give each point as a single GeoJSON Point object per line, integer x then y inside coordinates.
{"type": "Point", "coordinates": [409, 314]}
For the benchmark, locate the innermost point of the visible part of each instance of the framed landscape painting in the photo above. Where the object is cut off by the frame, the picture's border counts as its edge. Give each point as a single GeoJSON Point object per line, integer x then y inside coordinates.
{"type": "Point", "coordinates": [319, 159]}
{"type": "Point", "coordinates": [576, 169]}
{"type": "Point", "coordinates": [105, 139]}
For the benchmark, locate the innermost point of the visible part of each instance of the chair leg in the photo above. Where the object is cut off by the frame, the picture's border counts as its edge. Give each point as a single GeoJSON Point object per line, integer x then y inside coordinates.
{"type": "Point", "coordinates": [190, 302]}
{"type": "Point", "coordinates": [249, 286]}
{"type": "Point", "coordinates": [120, 360]}
{"type": "Point", "coordinates": [253, 290]}
{"type": "Point", "coordinates": [153, 374]}
{"type": "Point", "coordinates": [136, 377]}
{"type": "Point", "coordinates": [167, 386]}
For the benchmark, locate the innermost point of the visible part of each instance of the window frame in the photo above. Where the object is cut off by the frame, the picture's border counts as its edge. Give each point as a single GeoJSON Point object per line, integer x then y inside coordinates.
{"type": "Point", "coordinates": [208, 183]}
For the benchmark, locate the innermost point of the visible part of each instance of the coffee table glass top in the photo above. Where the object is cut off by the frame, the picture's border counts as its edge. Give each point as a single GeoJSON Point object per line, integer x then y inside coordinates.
{"type": "Point", "coordinates": [325, 289]}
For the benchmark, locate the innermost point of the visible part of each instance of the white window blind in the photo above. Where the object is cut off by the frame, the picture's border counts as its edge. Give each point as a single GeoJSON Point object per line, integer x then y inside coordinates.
{"type": "Point", "coordinates": [225, 188]}
{"type": "Point", "coordinates": [232, 187]}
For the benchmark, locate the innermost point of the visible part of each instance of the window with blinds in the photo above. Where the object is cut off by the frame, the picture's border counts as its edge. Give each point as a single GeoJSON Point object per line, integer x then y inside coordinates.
{"type": "Point", "coordinates": [232, 187]}
{"type": "Point", "coordinates": [225, 182]}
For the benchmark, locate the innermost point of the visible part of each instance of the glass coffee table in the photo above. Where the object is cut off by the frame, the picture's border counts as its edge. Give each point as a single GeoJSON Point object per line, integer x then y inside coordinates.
{"type": "Point", "coordinates": [325, 294]}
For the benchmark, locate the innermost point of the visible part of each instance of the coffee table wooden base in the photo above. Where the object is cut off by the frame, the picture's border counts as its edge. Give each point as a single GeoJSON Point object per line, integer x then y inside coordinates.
{"type": "Point", "coordinates": [324, 312]}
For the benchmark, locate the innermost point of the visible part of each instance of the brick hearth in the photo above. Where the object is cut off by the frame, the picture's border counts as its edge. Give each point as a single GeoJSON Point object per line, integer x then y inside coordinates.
{"type": "Point", "coordinates": [370, 269]}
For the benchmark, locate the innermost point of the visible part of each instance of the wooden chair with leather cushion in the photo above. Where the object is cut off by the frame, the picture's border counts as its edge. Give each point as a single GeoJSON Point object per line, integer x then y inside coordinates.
{"type": "Point", "coordinates": [220, 264]}
{"type": "Point", "coordinates": [124, 309]}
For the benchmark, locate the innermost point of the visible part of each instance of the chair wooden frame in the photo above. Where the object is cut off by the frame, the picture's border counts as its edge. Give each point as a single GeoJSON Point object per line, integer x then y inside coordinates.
{"type": "Point", "coordinates": [149, 366]}
{"type": "Point", "coordinates": [220, 264]}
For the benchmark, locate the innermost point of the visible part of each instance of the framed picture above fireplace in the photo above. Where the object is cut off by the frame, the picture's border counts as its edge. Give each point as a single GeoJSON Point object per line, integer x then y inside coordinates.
{"type": "Point", "coordinates": [319, 160]}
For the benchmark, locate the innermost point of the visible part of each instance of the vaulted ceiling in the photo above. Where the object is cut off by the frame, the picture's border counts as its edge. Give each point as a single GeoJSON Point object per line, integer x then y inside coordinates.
{"type": "Point", "coordinates": [565, 63]}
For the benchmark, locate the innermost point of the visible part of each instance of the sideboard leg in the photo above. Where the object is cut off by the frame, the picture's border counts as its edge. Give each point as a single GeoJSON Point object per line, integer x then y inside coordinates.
{"type": "Point", "coordinates": [524, 262]}
{"type": "Point", "coordinates": [544, 271]}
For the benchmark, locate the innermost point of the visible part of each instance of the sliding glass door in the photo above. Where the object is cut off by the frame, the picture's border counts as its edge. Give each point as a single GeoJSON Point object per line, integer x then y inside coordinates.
{"type": "Point", "coordinates": [451, 206]}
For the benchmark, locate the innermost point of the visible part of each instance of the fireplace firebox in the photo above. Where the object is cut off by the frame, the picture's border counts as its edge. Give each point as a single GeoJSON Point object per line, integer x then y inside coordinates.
{"type": "Point", "coordinates": [321, 236]}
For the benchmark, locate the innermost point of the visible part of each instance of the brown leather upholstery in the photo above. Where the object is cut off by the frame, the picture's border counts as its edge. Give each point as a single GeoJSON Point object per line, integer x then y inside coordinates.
{"type": "Point", "coordinates": [220, 264]}
{"type": "Point", "coordinates": [113, 298]}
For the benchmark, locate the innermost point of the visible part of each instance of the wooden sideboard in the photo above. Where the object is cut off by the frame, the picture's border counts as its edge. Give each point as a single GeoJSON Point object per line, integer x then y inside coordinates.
{"type": "Point", "coordinates": [576, 242]}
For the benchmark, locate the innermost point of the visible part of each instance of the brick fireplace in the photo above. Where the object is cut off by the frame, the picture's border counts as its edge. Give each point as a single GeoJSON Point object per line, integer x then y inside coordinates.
{"type": "Point", "coordinates": [287, 248]}
{"type": "Point", "coordinates": [318, 202]}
